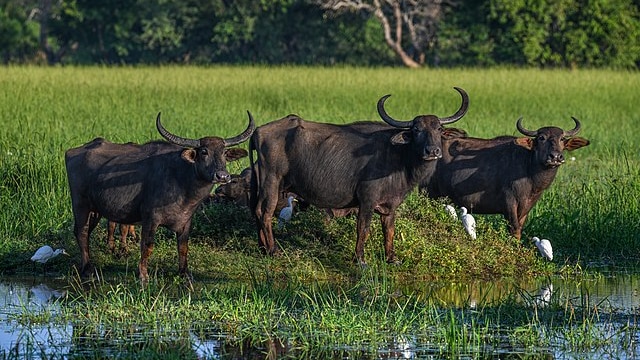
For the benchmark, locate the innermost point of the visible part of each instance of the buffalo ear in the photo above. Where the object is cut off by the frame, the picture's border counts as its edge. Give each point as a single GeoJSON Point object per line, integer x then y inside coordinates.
{"type": "Point", "coordinates": [525, 142]}
{"type": "Point", "coordinates": [453, 133]}
{"type": "Point", "coordinates": [401, 138]}
{"type": "Point", "coordinates": [235, 154]}
{"type": "Point", "coordinates": [575, 143]}
{"type": "Point", "coordinates": [189, 155]}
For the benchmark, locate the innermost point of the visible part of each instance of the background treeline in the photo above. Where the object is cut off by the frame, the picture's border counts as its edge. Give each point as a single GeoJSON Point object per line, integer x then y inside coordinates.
{"type": "Point", "coordinates": [544, 33]}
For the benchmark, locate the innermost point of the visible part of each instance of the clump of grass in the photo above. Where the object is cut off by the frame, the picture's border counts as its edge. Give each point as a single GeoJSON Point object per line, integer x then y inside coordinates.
{"type": "Point", "coordinates": [589, 217]}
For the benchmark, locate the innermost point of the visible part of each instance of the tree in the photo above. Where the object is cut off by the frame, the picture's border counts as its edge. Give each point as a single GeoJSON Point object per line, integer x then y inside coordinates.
{"type": "Point", "coordinates": [18, 33]}
{"type": "Point", "coordinates": [293, 32]}
{"type": "Point", "coordinates": [566, 32]}
{"type": "Point", "coordinates": [419, 18]}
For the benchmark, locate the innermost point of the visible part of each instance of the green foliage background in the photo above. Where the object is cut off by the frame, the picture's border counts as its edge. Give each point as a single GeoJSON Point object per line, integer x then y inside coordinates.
{"type": "Point", "coordinates": [541, 33]}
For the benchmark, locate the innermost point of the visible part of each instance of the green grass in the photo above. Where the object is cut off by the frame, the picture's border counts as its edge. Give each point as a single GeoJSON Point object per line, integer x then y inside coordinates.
{"type": "Point", "coordinates": [589, 213]}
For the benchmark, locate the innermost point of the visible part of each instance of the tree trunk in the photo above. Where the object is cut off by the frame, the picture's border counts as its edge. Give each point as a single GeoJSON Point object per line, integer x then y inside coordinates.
{"type": "Point", "coordinates": [394, 44]}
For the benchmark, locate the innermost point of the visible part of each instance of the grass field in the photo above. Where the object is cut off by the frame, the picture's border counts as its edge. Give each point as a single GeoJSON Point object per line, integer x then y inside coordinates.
{"type": "Point", "coordinates": [591, 211]}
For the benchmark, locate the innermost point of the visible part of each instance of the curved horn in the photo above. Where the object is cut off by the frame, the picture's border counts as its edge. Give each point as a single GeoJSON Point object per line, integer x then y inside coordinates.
{"type": "Point", "coordinates": [388, 119]}
{"type": "Point", "coordinates": [575, 129]}
{"type": "Point", "coordinates": [523, 130]}
{"type": "Point", "coordinates": [192, 143]}
{"type": "Point", "coordinates": [460, 113]}
{"type": "Point", "coordinates": [244, 135]}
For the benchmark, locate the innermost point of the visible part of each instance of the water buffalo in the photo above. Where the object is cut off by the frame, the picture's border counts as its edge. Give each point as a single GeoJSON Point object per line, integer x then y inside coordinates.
{"type": "Point", "coordinates": [367, 165]}
{"type": "Point", "coordinates": [160, 183]}
{"type": "Point", "coordinates": [237, 190]}
{"type": "Point", "coordinates": [505, 175]}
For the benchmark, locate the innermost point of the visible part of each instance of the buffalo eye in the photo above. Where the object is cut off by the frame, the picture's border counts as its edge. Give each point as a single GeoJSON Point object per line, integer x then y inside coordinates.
{"type": "Point", "coordinates": [204, 152]}
{"type": "Point", "coordinates": [542, 138]}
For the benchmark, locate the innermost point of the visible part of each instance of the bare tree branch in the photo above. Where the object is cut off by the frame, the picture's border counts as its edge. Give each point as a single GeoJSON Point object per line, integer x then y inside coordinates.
{"type": "Point", "coordinates": [419, 17]}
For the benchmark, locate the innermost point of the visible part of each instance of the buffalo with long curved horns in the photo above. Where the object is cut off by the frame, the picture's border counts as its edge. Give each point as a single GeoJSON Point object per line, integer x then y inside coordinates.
{"type": "Point", "coordinates": [159, 183]}
{"type": "Point", "coordinates": [504, 175]}
{"type": "Point", "coordinates": [367, 165]}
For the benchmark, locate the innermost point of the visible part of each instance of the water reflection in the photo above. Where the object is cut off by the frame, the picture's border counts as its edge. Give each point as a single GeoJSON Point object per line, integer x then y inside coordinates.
{"type": "Point", "coordinates": [45, 294]}
{"type": "Point", "coordinates": [613, 292]}
{"type": "Point", "coordinates": [543, 297]}
{"type": "Point", "coordinates": [30, 297]}
{"type": "Point", "coordinates": [25, 296]}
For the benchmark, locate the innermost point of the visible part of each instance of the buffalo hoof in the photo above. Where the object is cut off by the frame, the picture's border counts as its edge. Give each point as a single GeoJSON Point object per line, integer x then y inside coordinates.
{"type": "Point", "coordinates": [143, 275]}
{"type": "Point", "coordinates": [121, 253]}
{"type": "Point", "coordinates": [394, 261]}
{"type": "Point", "coordinates": [270, 251]}
{"type": "Point", "coordinates": [187, 278]}
{"type": "Point", "coordinates": [86, 271]}
{"type": "Point", "coordinates": [275, 251]}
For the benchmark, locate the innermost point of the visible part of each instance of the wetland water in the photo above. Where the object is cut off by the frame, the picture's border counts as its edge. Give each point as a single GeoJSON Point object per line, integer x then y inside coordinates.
{"type": "Point", "coordinates": [613, 300]}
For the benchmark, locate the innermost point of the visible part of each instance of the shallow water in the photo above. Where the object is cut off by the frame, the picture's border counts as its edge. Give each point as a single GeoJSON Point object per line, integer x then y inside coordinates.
{"type": "Point", "coordinates": [615, 297]}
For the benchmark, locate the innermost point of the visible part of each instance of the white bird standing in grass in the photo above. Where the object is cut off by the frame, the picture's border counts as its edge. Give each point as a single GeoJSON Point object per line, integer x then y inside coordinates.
{"type": "Point", "coordinates": [46, 253]}
{"type": "Point", "coordinates": [544, 246]}
{"type": "Point", "coordinates": [468, 222]}
{"type": "Point", "coordinates": [452, 211]}
{"type": "Point", "coordinates": [286, 212]}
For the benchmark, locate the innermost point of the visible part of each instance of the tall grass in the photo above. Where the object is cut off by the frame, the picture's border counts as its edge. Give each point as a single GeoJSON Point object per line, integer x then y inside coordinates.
{"type": "Point", "coordinates": [588, 212]}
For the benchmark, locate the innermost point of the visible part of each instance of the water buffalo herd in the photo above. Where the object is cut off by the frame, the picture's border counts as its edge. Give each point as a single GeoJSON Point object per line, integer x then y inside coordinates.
{"type": "Point", "coordinates": [365, 167]}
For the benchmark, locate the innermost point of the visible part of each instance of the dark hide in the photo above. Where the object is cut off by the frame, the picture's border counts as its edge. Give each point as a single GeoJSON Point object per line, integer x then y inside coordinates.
{"type": "Point", "coordinates": [505, 175]}
{"type": "Point", "coordinates": [154, 184]}
{"type": "Point", "coordinates": [371, 166]}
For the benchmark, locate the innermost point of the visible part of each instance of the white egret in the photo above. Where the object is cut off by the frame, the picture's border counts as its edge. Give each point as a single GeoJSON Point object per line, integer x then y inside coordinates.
{"type": "Point", "coordinates": [46, 253]}
{"type": "Point", "coordinates": [286, 212]}
{"type": "Point", "coordinates": [544, 246]}
{"type": "Point", "coordinates": [452, 211]}
{"type": "Point", "coordinates": [468, 222]}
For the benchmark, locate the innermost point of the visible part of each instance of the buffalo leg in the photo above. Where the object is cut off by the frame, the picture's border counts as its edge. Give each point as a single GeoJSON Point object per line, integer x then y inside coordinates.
{"type": "Point", "coordinates": [111, 229]}
{"type": "Point", "coordinates": [521, 222]}
{"type": "Point", "coordinates": [146, 249]}
{"type": "Point", "coordinates": [515, 227]}
{"type": "Point", "coordinates": [125, 230]}
{"type": "Point", "coordinates": [389, 228]}
{"type": "Point", "coordinates": [363, 227]}
{"type": "Point", "coordinates": [183, 250]}
{"type": "Point", "coordinates": [132, 232]}
{"type": "Point", "coordinates": [265, 207]}
{"type": "Point", "coordinates": [85, 222]}
{"type": "Point", "coordinates": [260, 216]}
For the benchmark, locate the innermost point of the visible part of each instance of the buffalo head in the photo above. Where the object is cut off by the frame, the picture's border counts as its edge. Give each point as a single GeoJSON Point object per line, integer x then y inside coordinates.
{"type": "Point", "coordinates": [548, 143]}
{"type": "Point", "coordinates": [210, 155]}
{"type": "Point", "coordinates": [236, 190]}
{"type": "Point", "coordinates": [425, 132]}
